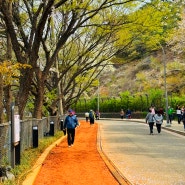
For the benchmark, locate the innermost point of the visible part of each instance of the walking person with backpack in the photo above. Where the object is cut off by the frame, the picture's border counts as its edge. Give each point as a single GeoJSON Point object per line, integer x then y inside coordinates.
{"type": "Point", "coordinates": [91, 117]}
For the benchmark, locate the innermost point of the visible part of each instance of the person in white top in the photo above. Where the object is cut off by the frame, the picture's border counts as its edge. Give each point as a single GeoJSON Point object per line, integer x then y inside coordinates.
{"type": "Point", "coordinates": [87, 116]}
{"type": "Point", "coordinates": [158, 117]}
{"type": "Point", "coordinates": [179, 114]}
{"type": "Point", "coordinates": [152, 108]}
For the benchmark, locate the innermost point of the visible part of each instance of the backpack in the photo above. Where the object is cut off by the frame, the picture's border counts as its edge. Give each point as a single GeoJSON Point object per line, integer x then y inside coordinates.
{"type": "Point", "coordinates": [91, 116]}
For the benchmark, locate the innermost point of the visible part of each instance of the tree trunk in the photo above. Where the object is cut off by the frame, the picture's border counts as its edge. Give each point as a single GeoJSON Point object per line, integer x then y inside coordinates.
{"type": "Point", "coordinates": [7, 89]}
{"type": "Point", "coordinates": [8, 100]}
{"type": "Point", "coordinates": [23, 94]}
{"type": "Point", "coordinates": [38, 104]}
{"type": "Point", "coordinates": [1, 99]}
{"type": "Point", "coordinates": [39, 98]}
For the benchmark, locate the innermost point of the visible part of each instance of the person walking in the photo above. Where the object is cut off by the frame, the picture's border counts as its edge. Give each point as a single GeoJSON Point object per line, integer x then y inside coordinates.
{"type": "Point", "coordinates": [158, 118]}
{"type": "Point", "coordinates": [122, 113]}
{"type": "Point", "coordinates": [183, 119]}
{"type": "Point", "coordinates": [91, 117]}
{"type": "Point", "coordinates": [179, 114]}
{"type": "Point", "coordinates": [70, 123]}
{"type": "Point", "coordinates": [152, 108]}
{"type": "Point", "coordinates": [87, 116]}
{"type": "Point", "coordinates": [182, 111]}
{"type": "Point", "coordinates": [170, 114]}
{"type": "Point", "coordinates": [97, 115]}
{"type": "Point", "coordinates": [150, 120]}
{"type": "Point", "coordinates": [128, 114]}
{"type": "Point", "coordinates": [161, 110]}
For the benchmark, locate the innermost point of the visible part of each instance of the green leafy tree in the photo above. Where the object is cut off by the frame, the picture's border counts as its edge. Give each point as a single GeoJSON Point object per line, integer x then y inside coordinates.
{"type": "Point", "coordinates": [35, 33]}
{"type": "Point", "coordinates": [32, 30]}
{"type": "Point", "coordinates": [150, 27]}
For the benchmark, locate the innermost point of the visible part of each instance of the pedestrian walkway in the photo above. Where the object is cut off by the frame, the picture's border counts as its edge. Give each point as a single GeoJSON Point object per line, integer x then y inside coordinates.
{"type": "Point", "coordinates": [80, 164]}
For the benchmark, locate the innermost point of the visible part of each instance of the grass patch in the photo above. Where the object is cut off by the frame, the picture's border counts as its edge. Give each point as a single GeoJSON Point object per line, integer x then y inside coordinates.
{"type": "Point", "coordinates": [29, 157]}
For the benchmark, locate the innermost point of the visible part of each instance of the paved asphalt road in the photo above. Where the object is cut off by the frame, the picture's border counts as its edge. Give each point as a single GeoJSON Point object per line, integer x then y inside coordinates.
{"type": "Point", "coordinates": [144, 159]}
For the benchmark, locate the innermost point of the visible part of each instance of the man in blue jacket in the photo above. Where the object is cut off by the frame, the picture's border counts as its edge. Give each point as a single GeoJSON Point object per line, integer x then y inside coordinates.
{"type": "Point", "coordinates": [71, 122]}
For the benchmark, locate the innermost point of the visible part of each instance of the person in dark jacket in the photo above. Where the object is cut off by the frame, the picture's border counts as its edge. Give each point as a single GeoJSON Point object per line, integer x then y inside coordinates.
{"type": "Point", "coordinates": [179, 114]}
{"type": "Point", "coordinates": [128, 113]}
{"type": "Point", "coordinates": [91, 117]}
{"type": "Point", "coordinates": [183, 119]}
{"type": "Point", "coordinates": [70, 123]}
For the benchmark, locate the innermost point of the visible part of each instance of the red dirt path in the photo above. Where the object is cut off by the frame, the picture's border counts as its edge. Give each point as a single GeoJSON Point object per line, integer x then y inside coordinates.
{"type": "Point", "coordinates": [77, 165]}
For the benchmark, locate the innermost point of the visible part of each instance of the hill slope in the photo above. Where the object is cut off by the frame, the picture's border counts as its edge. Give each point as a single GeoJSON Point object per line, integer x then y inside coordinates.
{"type": "Point", "coordinates": [142, 75]}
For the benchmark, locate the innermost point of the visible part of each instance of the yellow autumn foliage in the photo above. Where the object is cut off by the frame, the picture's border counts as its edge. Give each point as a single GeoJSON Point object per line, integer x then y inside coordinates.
{"type": "Point", "coordinates": [10, 71]}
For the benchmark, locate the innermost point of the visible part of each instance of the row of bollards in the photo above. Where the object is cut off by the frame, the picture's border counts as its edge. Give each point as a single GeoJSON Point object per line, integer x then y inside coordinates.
{"type": "Point", "coordinates": [51, 132]}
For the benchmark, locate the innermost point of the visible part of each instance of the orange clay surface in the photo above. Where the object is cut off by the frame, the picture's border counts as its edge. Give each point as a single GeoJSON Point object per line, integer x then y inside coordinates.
{"type": "Point", "coordinates": [80, 164]}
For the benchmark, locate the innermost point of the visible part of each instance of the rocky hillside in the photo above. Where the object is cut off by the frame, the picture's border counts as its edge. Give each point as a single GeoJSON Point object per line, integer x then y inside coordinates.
{"type": "Point", "coordinates": [138, 76]}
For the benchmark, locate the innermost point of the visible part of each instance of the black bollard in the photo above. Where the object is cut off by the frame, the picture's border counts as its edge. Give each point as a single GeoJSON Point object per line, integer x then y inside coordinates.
{"type": "Point", "coordinates": [61, 124]}
{"type": "Point", "coordinates": [35, 136]}
{"type": "Point", "coordinates": [51, 132]}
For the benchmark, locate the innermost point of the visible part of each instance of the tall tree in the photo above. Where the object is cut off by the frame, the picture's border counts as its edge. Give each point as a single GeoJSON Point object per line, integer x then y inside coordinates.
{"type": "Point", "coordinates": [29, 24]}
{"type": "Point", "coordinates": [150, 27]}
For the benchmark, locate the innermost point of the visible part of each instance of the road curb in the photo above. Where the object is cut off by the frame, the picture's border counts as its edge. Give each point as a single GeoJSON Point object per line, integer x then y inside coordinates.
{"type": "Point", "coordinates": [175, 131]}
{"type": "Point", "coordinates": [30, 178]}
{"type": "Point", "coordinates": [121, 179]}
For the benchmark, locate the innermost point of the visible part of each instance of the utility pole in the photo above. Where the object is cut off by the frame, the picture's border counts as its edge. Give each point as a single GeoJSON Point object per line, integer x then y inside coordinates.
{"type": "Point", "coordinates": [165, 87]}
